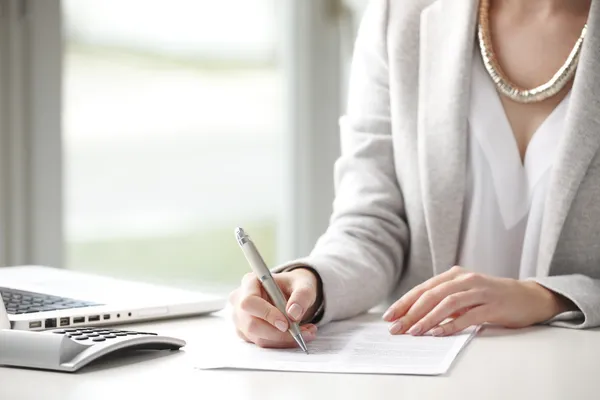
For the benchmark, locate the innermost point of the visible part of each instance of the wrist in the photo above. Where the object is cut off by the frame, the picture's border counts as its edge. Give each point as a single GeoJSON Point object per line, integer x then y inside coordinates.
{"type": "Point", "coordinates": [551, 302]}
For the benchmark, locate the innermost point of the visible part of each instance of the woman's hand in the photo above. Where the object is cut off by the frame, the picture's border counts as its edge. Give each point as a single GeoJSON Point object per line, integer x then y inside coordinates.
{"type": "Point", "coordinates": [258, 321]}
{"type": "Point", "coordinates": [469, 299]}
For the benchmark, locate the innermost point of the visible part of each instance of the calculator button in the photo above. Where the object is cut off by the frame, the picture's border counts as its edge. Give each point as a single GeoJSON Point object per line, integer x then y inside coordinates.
{"type": "Point", "coordinates": [98, 339]}
{"type": "Point", "coordinates": [59, 332]}
{"type": "Point", "coordinates": [81, 338]}
{"type": "Point", "coordinates": [93, 335]}
{"type": "Point", "coordinates": [110, 336]}
{"type": "Point", "coordinates": [120, 334]}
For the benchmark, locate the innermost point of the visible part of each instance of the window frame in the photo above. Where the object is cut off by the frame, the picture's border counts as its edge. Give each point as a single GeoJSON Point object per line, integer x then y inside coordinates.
{"type": "Point", "coordinates": [30, 182]}
{"type": "Point", "coordinates": [315, 66]}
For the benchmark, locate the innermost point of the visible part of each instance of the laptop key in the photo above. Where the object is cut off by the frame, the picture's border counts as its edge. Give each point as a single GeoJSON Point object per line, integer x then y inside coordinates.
{"type": "Point", "coordinates": [55, 307]}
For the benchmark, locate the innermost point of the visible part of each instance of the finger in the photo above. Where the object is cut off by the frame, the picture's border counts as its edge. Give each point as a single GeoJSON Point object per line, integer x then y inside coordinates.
{"type": "Point", "coordinates": [303, 296]}
{"type": "Point", "coordinates": [258, 330]}
{"type": "Point", "coordinates": [242, 336]}
{"type": "Point", "coordinates": [290, 343]}
{"type": "Point", "coordinates": [260, 308]}
{"type": "Point", "coordinates": [401, 306]}
{"type": "Point", "coordinates": [475, 316]}
{"type": "Point", "coordinates": [460, 312]}
{"type": "Point", "coordinates": [250, 286]}
{"type": "Point", "coordinates": [426, 303]}
{"type": "Point", "coordinates": [255, 328]}
{"type": "Point", "coordinates": [308, 328]}
{"type": "Point", "coordinates": [451, 305]}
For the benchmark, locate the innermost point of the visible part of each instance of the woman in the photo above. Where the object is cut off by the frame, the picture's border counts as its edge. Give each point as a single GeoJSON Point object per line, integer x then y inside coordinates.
{"type": "Point", "coordinates": [471, 139]}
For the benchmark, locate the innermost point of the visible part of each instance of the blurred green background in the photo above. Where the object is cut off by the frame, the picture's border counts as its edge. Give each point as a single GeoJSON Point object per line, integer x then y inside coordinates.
{"type": "Point", "coordinates": [174, 122]}
{"type": "Point", "coordinates": [210, 258]}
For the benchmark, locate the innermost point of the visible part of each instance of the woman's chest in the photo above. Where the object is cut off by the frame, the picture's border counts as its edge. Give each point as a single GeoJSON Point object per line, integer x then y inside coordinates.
{"type": "Point", "coordinates": [525, 120]}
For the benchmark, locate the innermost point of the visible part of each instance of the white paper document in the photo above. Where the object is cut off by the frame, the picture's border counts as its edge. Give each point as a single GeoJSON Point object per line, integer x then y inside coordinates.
{"type": "Point", "coordinates": [353, 346]}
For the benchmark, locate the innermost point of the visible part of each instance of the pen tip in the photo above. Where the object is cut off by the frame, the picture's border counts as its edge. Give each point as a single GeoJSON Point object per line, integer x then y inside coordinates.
{"type": "Point", "coordinates": [301, 343]}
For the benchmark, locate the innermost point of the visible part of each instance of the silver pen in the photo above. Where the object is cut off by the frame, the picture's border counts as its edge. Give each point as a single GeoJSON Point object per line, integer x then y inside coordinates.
{"type": "Point", "coordinates": [258, 266]}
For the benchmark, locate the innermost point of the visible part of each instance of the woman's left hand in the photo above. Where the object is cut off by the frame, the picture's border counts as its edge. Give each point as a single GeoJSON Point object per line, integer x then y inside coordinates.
{"type": "Point", "coordinates": [470, 299]}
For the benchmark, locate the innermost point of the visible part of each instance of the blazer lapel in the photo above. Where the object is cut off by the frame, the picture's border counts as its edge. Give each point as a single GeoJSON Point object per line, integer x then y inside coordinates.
{"type": "Point", "coordinates": [447, 37]}
{"type": "Point", "coordinates": [578, 145]}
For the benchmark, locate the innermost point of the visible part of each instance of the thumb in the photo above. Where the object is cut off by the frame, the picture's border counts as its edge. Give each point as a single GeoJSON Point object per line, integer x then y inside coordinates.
{"type": "Point", "coordinates": [302, 297]}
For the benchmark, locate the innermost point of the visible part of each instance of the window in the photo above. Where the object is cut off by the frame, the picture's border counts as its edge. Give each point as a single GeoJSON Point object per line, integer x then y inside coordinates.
{"type": "Point", "coordinates": [138, 134]}
{"type": "Point", "coordinates": [173, 128]}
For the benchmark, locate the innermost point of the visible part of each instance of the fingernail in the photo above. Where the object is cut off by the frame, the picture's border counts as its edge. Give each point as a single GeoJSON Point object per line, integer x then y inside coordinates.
{"type": "Point", "coordinates": [437, 331]}
{"type": "Point", "coordinates": [295, 311]}
{"type": "Point", "coordinates": [307, 335]}
{"type": "Point", "coordinates": [415, 330]}
{"type": "Point", "coordinates": [311, 328]}
{"type": "Point", "coordinates": [282, 326]}
{"type": "Point", "coordinates": [388, 314]}
{"type": "Point", "coordinates": [396, 327]}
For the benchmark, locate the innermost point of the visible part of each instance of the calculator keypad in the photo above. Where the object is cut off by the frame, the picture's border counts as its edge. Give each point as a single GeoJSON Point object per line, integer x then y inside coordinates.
{"type": "Point", "coordinates": [97, 334]}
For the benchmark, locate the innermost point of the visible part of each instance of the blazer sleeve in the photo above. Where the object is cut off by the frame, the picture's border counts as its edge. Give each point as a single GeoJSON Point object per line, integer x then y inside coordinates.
{"type": "Point", "coordinates": [583, 291]}
{"type": "Point", "coordinates": [360, 256]}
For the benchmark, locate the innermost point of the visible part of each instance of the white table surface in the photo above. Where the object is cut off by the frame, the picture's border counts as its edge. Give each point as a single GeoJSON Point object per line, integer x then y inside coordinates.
{"type": "Point", "coordinates": [534, 363]}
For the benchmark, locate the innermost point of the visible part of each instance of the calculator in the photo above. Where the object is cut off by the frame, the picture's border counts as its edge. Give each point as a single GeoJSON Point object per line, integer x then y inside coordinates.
{"type": "Point", "coordinates": [69, 350]}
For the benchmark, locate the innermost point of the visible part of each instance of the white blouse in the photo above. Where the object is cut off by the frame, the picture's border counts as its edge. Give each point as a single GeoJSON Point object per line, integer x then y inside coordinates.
{"type": "Point", "coordinates": [505, 197]}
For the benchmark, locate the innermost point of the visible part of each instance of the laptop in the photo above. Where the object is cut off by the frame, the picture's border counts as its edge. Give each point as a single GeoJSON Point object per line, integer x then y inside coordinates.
{"type": "Point", "coordinates": [42, 297]}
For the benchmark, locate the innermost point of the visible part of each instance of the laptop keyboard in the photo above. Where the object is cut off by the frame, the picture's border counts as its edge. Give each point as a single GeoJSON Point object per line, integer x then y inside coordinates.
{"type": "Point", "coordinates": [22, 302]}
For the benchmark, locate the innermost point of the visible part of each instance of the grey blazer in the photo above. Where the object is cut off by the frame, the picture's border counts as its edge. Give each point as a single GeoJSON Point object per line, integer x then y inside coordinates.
{"type": "Point", "coordinates": [400, 179]}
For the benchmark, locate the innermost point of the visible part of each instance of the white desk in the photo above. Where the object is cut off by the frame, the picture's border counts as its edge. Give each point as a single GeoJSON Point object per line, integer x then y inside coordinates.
{"type": "Point", "coordinates": [536, 363]}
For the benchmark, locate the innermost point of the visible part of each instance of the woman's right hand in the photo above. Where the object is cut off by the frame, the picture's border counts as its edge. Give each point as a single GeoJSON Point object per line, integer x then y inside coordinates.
{"type": "Point", "coordinates": [258, 321]}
